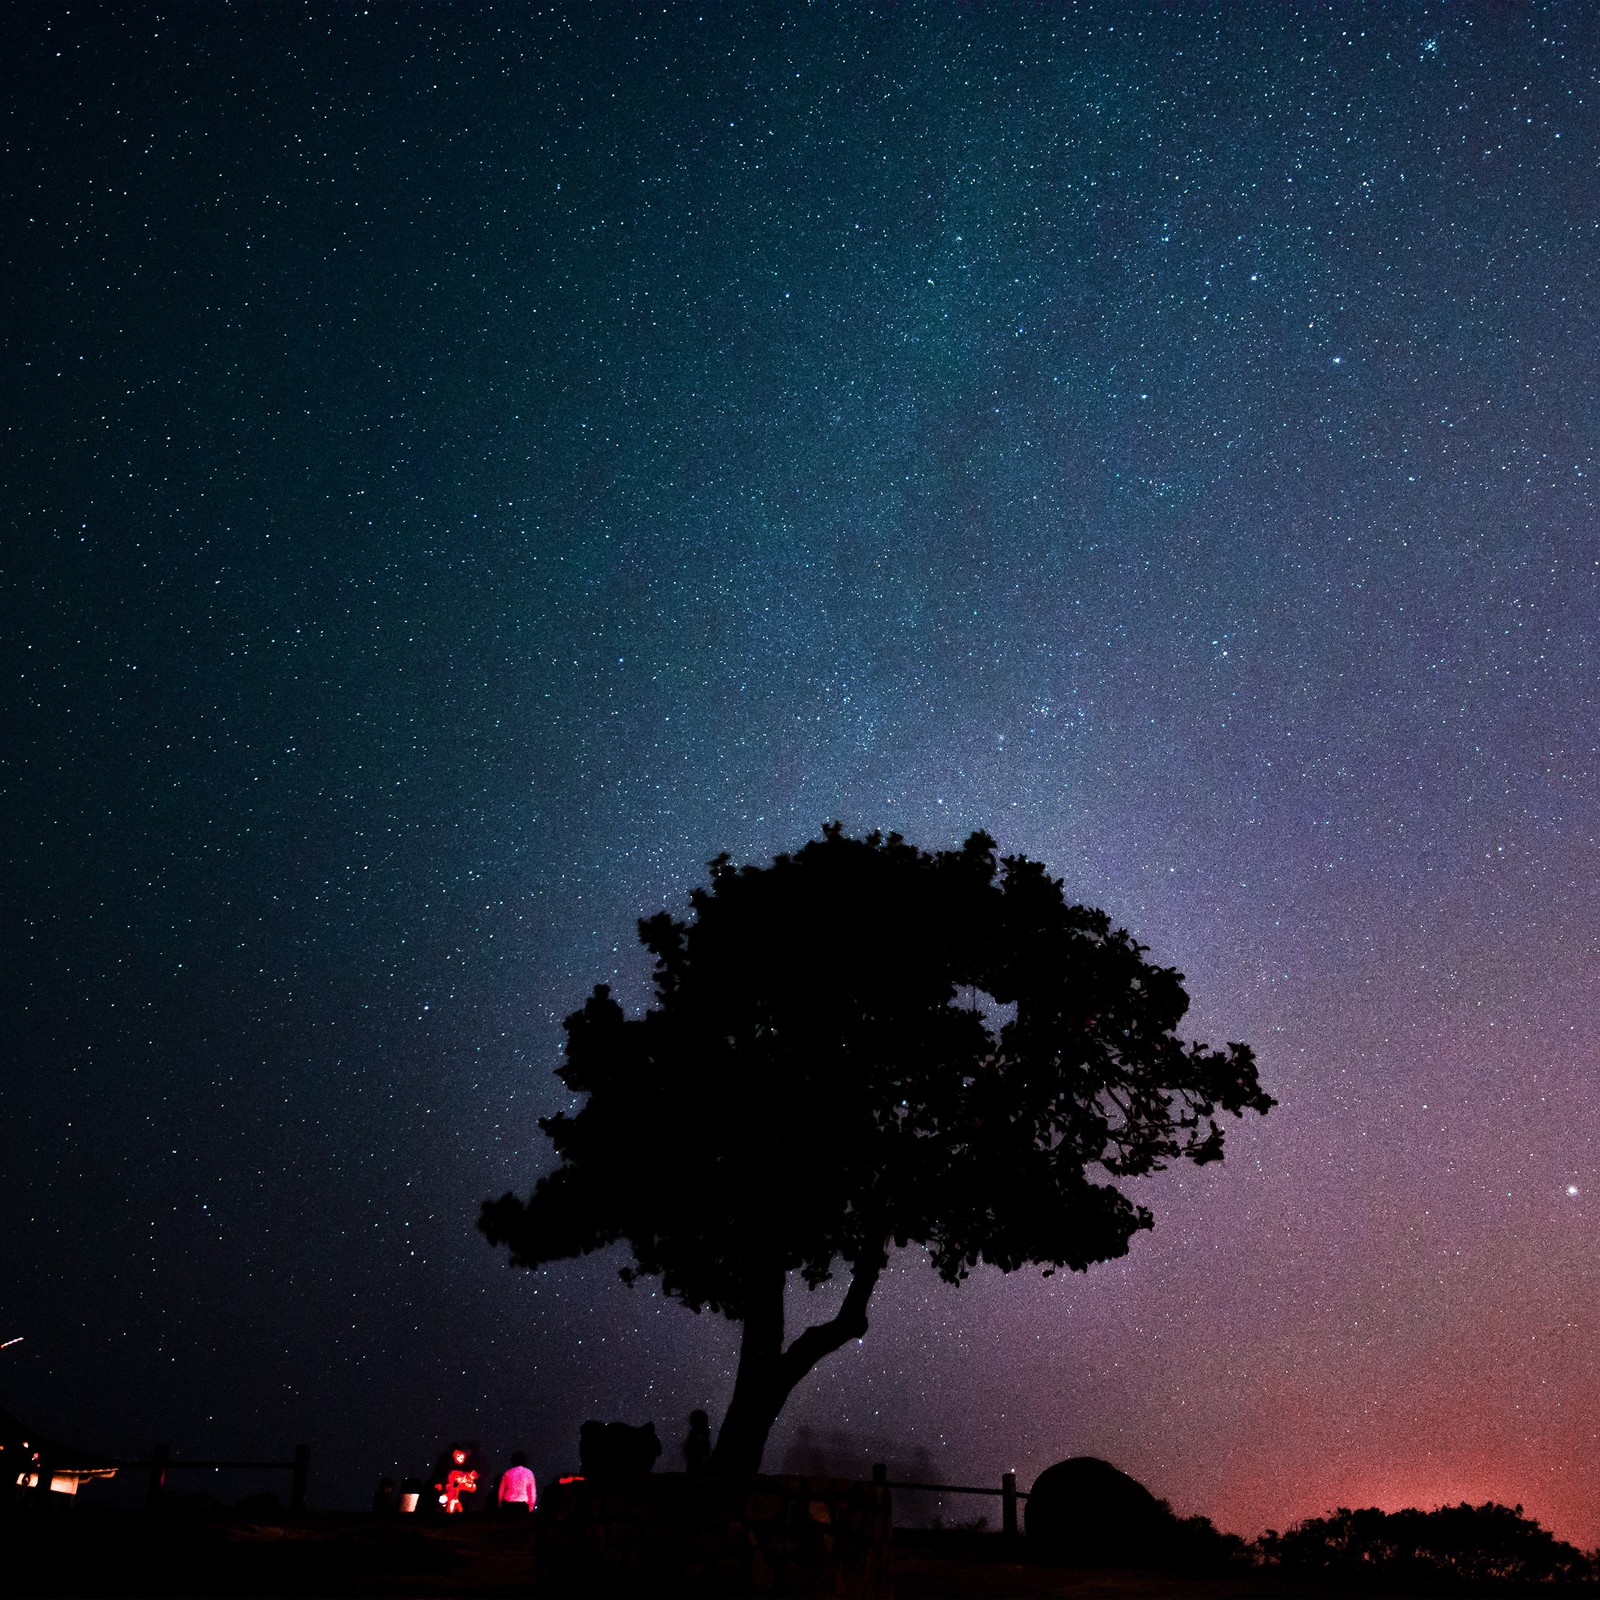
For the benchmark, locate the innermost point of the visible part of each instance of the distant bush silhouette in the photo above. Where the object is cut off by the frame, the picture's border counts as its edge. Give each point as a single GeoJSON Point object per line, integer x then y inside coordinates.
{"type": "Point", "coordinates": [1197, 1544]}
{"type": "Point", "coordinates": [970, 1525]}
{"type": "Point", "coordinates": [1460, 1546]}
{"type": "Point", "coordinates": [865, 1046]}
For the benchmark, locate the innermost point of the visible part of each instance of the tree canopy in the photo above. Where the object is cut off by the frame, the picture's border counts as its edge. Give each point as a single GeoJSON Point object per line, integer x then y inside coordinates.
{"type": "Point", "coordinates": [866, 1045]}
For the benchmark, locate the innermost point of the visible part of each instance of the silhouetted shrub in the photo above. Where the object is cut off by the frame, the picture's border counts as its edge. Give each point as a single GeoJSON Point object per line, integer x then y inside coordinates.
{"type": "Point", "coordinates": [1454, 1546]}
{"type": "Point", "coordinates": [977, 1524]}
{"type": "Point", "coordinates": [1197, 1544]}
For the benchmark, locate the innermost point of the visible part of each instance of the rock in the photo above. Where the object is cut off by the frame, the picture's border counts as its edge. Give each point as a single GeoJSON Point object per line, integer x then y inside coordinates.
{"type": "Point", "coordinates": [1087, 1513]}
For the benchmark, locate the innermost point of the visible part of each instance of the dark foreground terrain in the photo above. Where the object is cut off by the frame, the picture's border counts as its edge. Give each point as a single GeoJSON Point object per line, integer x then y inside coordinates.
{"type": "Point", "coordinates": [89, 1554]}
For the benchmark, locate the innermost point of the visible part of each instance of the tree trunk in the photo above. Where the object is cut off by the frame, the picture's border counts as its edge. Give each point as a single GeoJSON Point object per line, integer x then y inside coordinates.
{"type": "Point", "coordinates": [768, 1374]}
{"type": "Point", "coordinates": [756, 1401]}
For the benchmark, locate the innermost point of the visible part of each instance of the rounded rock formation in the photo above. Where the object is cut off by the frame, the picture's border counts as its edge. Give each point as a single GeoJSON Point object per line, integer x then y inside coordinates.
{"type": "Point", "coordinates": [1085, 1512]}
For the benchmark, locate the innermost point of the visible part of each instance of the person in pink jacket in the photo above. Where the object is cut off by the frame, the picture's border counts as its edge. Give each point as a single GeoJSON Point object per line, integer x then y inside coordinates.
{"type": "Point", "coordinates": [517, 1487]}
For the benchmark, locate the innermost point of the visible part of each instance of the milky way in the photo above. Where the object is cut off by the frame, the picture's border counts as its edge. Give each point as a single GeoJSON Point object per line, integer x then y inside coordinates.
{"type": "Point", "coordinates": [466, 469]}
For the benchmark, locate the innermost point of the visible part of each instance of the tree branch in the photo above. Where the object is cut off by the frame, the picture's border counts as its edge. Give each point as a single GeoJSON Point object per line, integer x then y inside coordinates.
{"type": "Point", "coordinates": [823, 1338]}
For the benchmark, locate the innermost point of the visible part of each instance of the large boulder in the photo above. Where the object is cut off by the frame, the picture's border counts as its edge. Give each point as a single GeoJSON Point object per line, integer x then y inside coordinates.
{"type": "Point", "coordinates": [1085, 1512]}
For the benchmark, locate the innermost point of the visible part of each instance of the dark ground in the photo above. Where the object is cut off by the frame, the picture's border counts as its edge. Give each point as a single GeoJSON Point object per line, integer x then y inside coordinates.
{"type": "Point", "coordinates": [315, 1554]}
{"type": "Point", "coordinates": [88, 1553]}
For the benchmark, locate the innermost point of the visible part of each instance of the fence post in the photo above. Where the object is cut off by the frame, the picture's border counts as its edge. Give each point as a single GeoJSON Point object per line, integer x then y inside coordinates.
{"type": "Point", "coordinates": [1008, 1504]}
{"type": "Point", "coordinates": [880, 1473]}
{"type": "Point", "coordinates": [302, 1471]}
{"type": "Point", "coordinates": [159, 1457]}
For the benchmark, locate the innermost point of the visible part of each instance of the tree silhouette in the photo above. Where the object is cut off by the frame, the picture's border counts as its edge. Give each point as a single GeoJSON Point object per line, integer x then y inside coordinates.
{"type": "Point", "coordinates": [865, 1045]}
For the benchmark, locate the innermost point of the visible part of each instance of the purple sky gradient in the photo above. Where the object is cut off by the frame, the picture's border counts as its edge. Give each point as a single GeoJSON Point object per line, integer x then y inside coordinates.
{"type": "Point", "coordinates": [468, 469]}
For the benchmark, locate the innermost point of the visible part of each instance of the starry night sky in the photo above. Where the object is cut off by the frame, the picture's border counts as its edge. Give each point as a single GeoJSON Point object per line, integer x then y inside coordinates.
{"type": "Point", "coordinates": [466, 468]}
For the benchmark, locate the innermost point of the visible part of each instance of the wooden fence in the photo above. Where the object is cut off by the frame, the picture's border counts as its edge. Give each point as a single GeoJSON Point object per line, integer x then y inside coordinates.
{"type": "Point", "coordinates": [1008, 1492]}
{"type": "Point", "coordinates": [161, 1463]}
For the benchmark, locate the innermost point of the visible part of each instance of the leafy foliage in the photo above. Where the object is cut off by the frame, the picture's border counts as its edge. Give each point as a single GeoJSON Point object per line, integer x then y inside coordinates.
{"type": "Point", "coordinates": [1461, 1545]}
{"type": "Point", "coordinates": [860, 1045]}
{"type": "Point", "coordinates": [1196, 1544]}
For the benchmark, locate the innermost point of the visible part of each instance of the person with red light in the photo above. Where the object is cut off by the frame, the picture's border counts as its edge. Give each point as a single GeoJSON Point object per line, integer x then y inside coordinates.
{"type": "Point", "coordinates": [458, 1479]}
{"type": "Point", "coordinates": [517, 1487]}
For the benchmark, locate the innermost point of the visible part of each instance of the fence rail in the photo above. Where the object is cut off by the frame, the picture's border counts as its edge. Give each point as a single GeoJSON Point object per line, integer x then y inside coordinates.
{"type": "Point", "coordinates": [1008, 1491]}
{"type": "Point", "coordinates": [161, 1463]}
